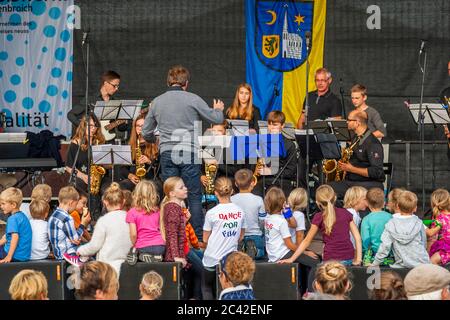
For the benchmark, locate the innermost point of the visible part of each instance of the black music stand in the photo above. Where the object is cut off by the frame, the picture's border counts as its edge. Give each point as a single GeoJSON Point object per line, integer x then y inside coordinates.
{"type": "Point", "coordinates": [107, 110]}
{"type": "Point", "coordinates": [109, 154]}
{"type": "Point", "coordinates": [238, 127]}
{"type": "Point", "coordinates": [340, 129]}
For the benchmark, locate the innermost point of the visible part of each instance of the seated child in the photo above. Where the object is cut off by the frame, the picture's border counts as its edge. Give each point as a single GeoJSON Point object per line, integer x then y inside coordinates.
{"type": "Point", "coordinates": [391, 288]}
{"type": "Point", "coordinates": [253, 206]}
{"type": "Point", "coordinates": [151, 286]}
{"type": "Point", "coordinates": [391, 204]}
{"type": "Point", "coordinates": [405, 235]}
{"type": "Point", "coordinates": [332, 278]}
{"type": "Point", "coordinates": [78, 213]}
{"type": "Point", "coordinates": [236, 273]}
{"type": "Point", "coordinates": [440, 249]}
{"type": "Point", "coordinates": [97, 281]}
{"type": "Point", "coordinates": [297, 201]}
{"type": "Point", "coordinates": [372, 225]}
{"type": "Point", "coordinates": [40, 192]}
{"type": "Point", "coordinates": [63, 235]}
{"type": "Point", "coordinates": [15, 245]}
{"type": "Point", "coordinates": [29, 285]}
{"type": "Point", "coordinates": [354, 202]}
{"type": "Point", "coordinates": [128, 196]}
{"type": "Point", "coordinates": [40, 245]}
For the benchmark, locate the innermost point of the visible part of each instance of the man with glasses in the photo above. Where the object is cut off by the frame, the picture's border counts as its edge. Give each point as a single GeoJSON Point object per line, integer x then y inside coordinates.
{"type": "Point", "coordinates": [323, 103]}
{"type": "Point", "coordinates": [365, 167]}
{"type": "Point", "coordinates": [110, 82]}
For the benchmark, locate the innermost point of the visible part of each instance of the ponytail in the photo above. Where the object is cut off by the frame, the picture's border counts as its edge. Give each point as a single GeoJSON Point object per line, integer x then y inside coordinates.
{"type": "Point", "coordinates": [325, 199]}
{"type": "Point", "coordinates": [329, 217]}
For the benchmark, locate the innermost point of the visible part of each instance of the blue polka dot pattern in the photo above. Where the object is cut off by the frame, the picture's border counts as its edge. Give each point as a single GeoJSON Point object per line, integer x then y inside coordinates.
{"type": "Point", "coordinates": [44, 106]}
{"type": "Point", "coordinates": [10, 96]}
{"type": "Point", "coordinates": [52, 90]}
{"type": "Point", "coordinates": [10, 37]}
{"type": "Point", "coordinates": [20, 61]}
{"type": "Point", "coordinates": [32, 25]}
{"type": "Point", "coordinates": [65, 94]}
{"type": "Point", "coordinates": [15, 80]}
{"type": "Point", "coordinates": [27, 103]}
{"type": "Point", "coordinates": [4, 55]}
{"type": "Point", "coordinates": [1, 73]}
{"type": "Point", "coordinates": [15, 18]}
{"type": "Point", "coordinates": [44, 49]}
{"type": "Point", "coordinates": [65, 36]}
{"type": "Point", "coordinates": [54, 13]}
{"type": "Point", "coordinates": [56, 72]}
{"type": "Point", "coordinates": [69, 76]}
{"type": "Point", "coordinates": [49, 31]}
{"type": "Point", "coordinates": [60, 54]}
{"type": "Point", "coordinates": [33, 85]}
{"type": "Point", "coordinates": [38, 7]}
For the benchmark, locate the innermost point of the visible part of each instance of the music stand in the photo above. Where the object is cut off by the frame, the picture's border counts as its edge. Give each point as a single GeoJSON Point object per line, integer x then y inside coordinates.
{"type": "Point", "coordinates": [109, 154]}
{"type": "Point", "coordinates": [340, 129]}
{"type": "Point", "coordinates": [434, 113]}
{"type": "Point", "coordinates": [238, 127]}
{"type": "Point", "coordinates": [130, 109]}
{"type": "Point", "coordinates": [107, 110]}
{"type": "Point", "coordinates": [262, 125]}
{"type": "Point", "coordinates": [319, 126]}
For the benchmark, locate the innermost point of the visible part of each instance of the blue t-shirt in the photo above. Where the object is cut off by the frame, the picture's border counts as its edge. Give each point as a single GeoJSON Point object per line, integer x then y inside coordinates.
{"type": "Point", "coordinates": [372, 227]}
{"type": "Point", "coordinates": [19, 223]}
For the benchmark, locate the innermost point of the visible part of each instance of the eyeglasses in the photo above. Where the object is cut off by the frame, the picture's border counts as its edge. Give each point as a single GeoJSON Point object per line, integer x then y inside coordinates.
{"type": "Point", "coordinates": [114, 85]}
{"type": "Point", "coordinates": [348, 120]}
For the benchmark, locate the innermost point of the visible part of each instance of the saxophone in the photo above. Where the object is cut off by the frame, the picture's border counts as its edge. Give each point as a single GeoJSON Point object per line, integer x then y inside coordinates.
{"type": "Point", "coordinates": [330, 166]}
{"type": "Point", "coordinates": [97, 172]}
{"type": "Point", "coordinates": [140, 168]}
{"type": "Point", "coordinates": [259, 165]}
{"type": "Point", "coordinates": [210, 172]}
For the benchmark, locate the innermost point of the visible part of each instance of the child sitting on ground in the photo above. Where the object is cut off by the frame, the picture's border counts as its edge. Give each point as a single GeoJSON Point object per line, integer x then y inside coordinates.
{"type": "Point", "coordinates": [15, 245]}
{"type": "Point", "coordinates": [40, 245]}
{"type": "Point", "coordinates": [297, 201]}
{"type": "Point", "coordinates": [440, 249]}
{"type": "Point", "coordinates": [372, 225]}
{"type": "Point", "coordinates": [146, 225]}
{"type": "Point", "coordinates": [391, 204]}
{"type": "Point", "coordinates": [29, 285]}
{"type": "Point", "coordinates": [63, 235]}
{"type": "Point", "coordinates": [236, 273]}
{"type": "Point", "coordinates": [40, 192]}
{"type": "Point", "coordinates": [405, 235]}
{"type": "Point", "coordinates": [128, 196]}
{"type": "Point", "coordinates": [253, 206]}
{"type": "Point", "coordinates": [78, 213]}
{"type": "Point", "coordinates": [355, 201]}
{"type": "Point", "coordinates": [151, 286]}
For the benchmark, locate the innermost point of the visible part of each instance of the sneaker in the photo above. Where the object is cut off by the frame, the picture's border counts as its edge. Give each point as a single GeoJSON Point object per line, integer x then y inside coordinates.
{"type": "Point", "coordinates": [132, 257]}
{"type": "Point", "coordinates": [150, 258]}
{"type": "Point", "coordinates": [250, 249]}
{"type": "Point", "coordinates": [73, 259]}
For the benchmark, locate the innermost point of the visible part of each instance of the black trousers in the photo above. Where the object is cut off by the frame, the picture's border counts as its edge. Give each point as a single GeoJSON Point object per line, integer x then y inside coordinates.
{"type": "Point", "coordinates": [265, 183]}
{"type": "Point", "coordinates": [209, 284]}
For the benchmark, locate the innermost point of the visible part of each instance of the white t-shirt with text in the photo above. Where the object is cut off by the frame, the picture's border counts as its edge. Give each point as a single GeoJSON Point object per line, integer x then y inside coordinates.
{"type": "Point", "coordinates": [254, 210]}
{"type": "Point", "coordinates": [276, 229]}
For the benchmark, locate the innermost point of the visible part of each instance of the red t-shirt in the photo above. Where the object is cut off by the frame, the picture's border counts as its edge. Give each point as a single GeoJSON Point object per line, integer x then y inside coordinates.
{"type": "Point", "coordinates": [338, 245]}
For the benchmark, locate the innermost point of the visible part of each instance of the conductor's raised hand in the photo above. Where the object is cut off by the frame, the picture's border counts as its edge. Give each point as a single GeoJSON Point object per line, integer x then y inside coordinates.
{"type": "Point", "coordinates": [218, 105]}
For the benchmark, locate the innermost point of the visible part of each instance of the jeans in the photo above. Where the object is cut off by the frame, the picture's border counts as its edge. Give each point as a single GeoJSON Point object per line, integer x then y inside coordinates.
{"type": "Point", "coordinates": [153, 250]}
{"type": "Point", "coordinates": [194, 257]}
{"type": "Point", "coordinates": [260, 245]}
{"type": "Point", "coordinates": [190, 173]}
{"type": "Point", "coordinates": [346, 262]}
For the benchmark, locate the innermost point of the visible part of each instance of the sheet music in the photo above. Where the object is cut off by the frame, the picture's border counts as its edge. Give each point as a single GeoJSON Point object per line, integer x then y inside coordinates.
{"type": "Point", "coordinates": [130, 109]}
{"type": "Point", "coordinates": [435, 110]}
{"type": "Point", "coordinates": [107, 110]}
{"type": "Point", "coordinates": [106, 153]}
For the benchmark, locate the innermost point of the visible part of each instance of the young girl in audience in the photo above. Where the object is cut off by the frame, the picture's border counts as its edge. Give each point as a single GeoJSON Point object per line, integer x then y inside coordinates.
{"type": "Point", "coordinates": [174, 230]}
{"type": "Point", "coordinates": [332, 278]}
{"type": "Point", "coordinates": [355, 201]}
{"type": "Point", "coordinates": [335, 224]}
{"type": "Point", "coordinates": [440, 249]}
{"type": "Point", "coordinates": [97, 281]}
{"type": "Point", "coordinates": [236, 273]}
{"type": "Point", "coordinates": [391, 287]}
{"type": "Point", "coordinates": [222, 231]}
{"type": "Point", "coordinates": [297, 201]}
{"type": "Point", "coordinates": [110, 241]}
{"type": "Point", "coordinates": [151, 286]}
{"type": "Point", "coordinates": [29, 285]}
{"type": "Point", "coordinates": [146, 224]}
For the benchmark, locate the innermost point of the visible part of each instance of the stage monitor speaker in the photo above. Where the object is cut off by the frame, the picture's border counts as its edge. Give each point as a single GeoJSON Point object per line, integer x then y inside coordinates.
{"type": "Point", "coordinates": [273, 281]}
{"type": "Point", "coordinates": [131, 276]}
{"type": "Point", "coordinates": [53, 270]}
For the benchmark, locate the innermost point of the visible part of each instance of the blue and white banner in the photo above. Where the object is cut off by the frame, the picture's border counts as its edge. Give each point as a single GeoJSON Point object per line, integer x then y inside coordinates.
{"type": "Point", "coordinates": [36, 63]}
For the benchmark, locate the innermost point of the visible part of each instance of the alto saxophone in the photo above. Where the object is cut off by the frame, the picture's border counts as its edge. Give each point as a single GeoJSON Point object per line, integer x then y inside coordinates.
{"type": "Point", "coordinates": [210, 172]}
{"type": "Point", "coordinates": [259, 165]}
{"type": "Point", "coordinates": [140, 168]}
{"type": "Point", "coordinates": [97, 173]}
{"type": "Point", "coordinates": [331, 168]}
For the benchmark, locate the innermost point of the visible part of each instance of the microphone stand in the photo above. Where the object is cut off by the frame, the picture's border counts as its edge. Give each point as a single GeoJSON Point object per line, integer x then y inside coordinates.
{"type": "Point", "coordinates": [421, 124]}
{"type": "Point", "coordinates": [307, 130]}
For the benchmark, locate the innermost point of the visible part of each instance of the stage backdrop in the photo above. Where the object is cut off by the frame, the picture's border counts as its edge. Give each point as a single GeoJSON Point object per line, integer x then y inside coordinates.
{"type": "Point", "coordinates": [35, 65]}
{"type": "Point", "coordinates": [276, 52]}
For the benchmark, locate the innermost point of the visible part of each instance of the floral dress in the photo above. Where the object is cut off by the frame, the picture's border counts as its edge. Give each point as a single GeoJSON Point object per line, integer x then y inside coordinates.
{"type": "Point", "coordinates": [442, 244]}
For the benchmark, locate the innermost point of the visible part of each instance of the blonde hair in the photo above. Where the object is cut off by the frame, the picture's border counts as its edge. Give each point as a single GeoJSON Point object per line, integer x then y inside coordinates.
{"type": "Point", "coordinates": [298, 199]}
{"type": "Point", "coordinates": [239, 268]}
{"type": "Point", "coordinates": [375, 198]}
{"type": "Point", "coordinates": [274, 200]}
{"type": "Point", "coordinates": [168, 187]}
{"type": "Point", "coordinates": [440, 201]}
{"type": "Point", "coordinates": [42, 192]}
{"type": "Point", "coordinates": [243, 179]}
{"type": "Point", "coordinates": [391, 287]}
{"type": "Point", "coordinates": [145, 196]}
{"type": "Point", "coordinates": [96, 275]}
{"type": "Point", "coordinates": [223, 187]}
{"type": "Point", "coordinates": [393, 196]}
{"type": "Point", "coordinates": [67, 194]}
{"type": "Point", "coordinates": [325, 199]}
{"type": "Point", "coordinates": [353, 196]}
{"type": "Point", "coordinates": [407, 202]}
{"type": "Point", "coordinates": [151, 285]}
{"type": "Point", "coordinates": [113, 195]}
{"type": "Point", "coordinates": [39, 209]}
{"type": "Point", "coordinates": [333, 278]}
{"type": "Point", "coordinates": [12, 195]}
{"type": "Point", "coordinates": [28, 285]}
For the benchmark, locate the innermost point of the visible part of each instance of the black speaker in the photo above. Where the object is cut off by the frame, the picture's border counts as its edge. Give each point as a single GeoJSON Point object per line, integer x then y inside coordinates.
{"type": "Point", "coordinates": [53, 270]}
{"type": "Point", "coordinates": [131, 276]}
{"type": "Point", "coordinates": [273, 281]}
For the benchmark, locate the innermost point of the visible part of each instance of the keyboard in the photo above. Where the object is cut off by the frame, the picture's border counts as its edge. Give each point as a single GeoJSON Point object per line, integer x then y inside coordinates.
{"type": "Point", "coordinates": [28, 164]}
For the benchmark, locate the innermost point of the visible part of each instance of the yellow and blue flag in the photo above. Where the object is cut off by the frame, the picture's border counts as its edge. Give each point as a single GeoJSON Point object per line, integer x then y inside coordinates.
{"type": "Point", "coordinates": [276, 52]}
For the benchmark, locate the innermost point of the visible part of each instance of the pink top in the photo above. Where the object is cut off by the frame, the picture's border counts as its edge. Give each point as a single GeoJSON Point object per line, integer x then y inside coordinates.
{"type": "Point", "coordinates": [147, 228]}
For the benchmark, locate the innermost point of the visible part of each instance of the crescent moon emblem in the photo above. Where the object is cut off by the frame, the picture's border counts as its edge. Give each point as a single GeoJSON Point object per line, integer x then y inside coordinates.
{"type": "Point", "coordinates": [274, 17]}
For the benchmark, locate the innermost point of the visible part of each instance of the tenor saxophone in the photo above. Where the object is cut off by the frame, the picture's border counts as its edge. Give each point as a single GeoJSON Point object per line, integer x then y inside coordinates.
{"type": "Point", "coordinates": [97, 172]}
{"type": "Point", "coordinates": [331, 168]}
{"type": "Point", "coordinates": [140, 168]}
{"type": "Point", "coordinates": [210, 172]}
